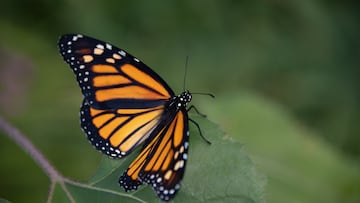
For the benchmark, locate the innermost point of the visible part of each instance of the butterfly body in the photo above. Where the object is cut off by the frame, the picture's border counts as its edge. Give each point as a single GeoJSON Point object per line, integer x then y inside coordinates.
{"type": "Point", "coordinates": [126, 104]}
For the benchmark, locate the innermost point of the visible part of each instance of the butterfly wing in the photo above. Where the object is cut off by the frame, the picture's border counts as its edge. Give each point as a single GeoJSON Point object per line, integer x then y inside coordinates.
{"type": "Point", "coordinates": [123, 98]}
{"type": "Point", "coordinates": [117, 132]}
{"type": "Point", "coordinates": [161, 162]}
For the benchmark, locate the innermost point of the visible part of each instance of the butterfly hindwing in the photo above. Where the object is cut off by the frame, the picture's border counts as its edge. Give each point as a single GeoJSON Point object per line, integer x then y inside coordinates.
{"type": "Point", "coordinates": [118, 132]}
{"type": "Point", "coordinates": [161, 162]}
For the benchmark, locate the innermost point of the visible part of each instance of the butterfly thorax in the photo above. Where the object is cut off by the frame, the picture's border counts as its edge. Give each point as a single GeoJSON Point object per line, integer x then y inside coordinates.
{"type": "Point", "coordinates": [180, 101]}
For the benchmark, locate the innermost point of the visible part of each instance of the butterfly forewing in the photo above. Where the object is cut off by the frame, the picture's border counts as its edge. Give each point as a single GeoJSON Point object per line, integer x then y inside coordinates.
{"type": "Point", "coordinates": [110, 77]}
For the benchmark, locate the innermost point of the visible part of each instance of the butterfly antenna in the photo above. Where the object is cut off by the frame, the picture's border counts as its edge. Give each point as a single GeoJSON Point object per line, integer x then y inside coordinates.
{"type": "Point", "coordinates": [186, 64]}
{"type": "Point", "coordinates": [204, 93]}
{"type": "Point", "coordinates": [184, 82]}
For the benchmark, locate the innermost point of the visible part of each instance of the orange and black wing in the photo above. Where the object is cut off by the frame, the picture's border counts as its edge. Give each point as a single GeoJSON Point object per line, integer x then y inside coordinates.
{"type": "Point", "coordinates": [161, 163]}
{"type": "Point", "coordinates": [123, 98]}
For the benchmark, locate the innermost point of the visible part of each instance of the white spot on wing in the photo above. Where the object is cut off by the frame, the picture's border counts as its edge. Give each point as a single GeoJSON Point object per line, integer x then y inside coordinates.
{"type": "Point", "coordinates": [108, 46]}
{"type": "Point", "coordinates": [122, 53]}
{"type": "Point", "coordinates": [100, 46]}
{"type": "Point", "coordinates": [186, 145]}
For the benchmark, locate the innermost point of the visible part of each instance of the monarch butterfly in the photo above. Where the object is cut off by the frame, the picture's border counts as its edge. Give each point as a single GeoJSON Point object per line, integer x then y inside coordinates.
{"type": "Point", "coordinates": [127, 104]}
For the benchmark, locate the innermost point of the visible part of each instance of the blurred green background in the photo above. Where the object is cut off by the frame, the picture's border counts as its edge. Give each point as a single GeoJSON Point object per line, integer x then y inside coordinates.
{"type": "Point", "coordinates": [285, 73]}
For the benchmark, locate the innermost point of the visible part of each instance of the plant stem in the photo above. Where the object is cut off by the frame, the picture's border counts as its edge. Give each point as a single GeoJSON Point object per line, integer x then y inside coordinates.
{"type": "Point", "coordinates": [25, 144]}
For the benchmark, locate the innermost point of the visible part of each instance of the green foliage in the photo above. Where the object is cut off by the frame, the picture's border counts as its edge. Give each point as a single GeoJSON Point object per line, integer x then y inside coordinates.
{"type": "Point", "coordinates": [299, 164]}
{"type": "Point", "coordinates": [217, 172]}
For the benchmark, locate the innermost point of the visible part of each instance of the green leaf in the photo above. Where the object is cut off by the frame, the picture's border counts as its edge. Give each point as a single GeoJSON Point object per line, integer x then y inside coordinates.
{"type": "Point", "coordinates": [218, 172]}
{"type": "Point", "coordinates": [299, 166]}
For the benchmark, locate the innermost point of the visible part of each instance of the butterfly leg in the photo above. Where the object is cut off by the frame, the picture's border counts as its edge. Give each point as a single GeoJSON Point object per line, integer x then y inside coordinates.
{"type": "Point", "coordinates": [198, 127]}
{"type": "Point", "coordinates": [196, 110]}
